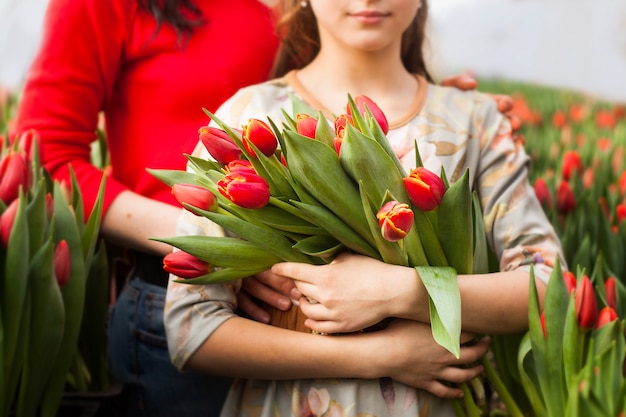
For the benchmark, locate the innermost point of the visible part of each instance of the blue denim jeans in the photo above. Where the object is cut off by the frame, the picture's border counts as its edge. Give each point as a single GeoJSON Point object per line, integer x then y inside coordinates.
{"type": "Point", "coordinates": [138, 357]}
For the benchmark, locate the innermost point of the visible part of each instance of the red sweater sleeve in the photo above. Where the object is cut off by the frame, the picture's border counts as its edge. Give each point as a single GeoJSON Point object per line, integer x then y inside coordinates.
{"type": "Point", "coordinates": [68, 84]}
{"type": "Point", "coordinates": [107, 56]}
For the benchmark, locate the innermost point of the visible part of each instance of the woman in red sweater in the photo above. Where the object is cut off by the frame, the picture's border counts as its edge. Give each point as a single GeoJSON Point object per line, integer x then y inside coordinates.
{"type": "Point", "coordinates": [150, 67]}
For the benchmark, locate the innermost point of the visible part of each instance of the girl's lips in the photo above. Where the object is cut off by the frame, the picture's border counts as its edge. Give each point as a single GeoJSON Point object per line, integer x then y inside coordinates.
{"type": "Point", "coordinates": [369, 16]}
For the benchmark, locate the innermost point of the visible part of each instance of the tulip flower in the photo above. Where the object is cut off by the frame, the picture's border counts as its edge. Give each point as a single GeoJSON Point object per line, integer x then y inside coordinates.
{"type": "Point", "coordinates": [239, 165]}
{"type": "Point", "coordinates": [571, 163]}
{"type": "Point", "coordinates": [261, 135]}
{"type": "Point", "coordinates": [542, 321]}
{"type": "Point", "coordinates": [559, 119]}
{"type": "Point", "coordinates": [570, 281]}
{"type": "Point", "coordinates": [425, 188]}
{"type": "Point", "coordinates": [605, 119]}
{"type": "Point", "coordinates": [245, 189]}
{"type": "Point", "coordinates": [6, 222]}
{"type": "Point", "coordinates": [606, 316]}
{"type": "Point", "coordinates": [219, 144]}
{"type": "Point", "coordinates": [362, 102]}
{"type": "Point", "coordinates": [585, 302]}
{"type": "Point", "coordinates": [62, 263]}
{"type": "Point", "coordinates": [184, 265]}
{"type": "Point", "coordinates": [610, 290]}
{"type": "Point", "coordinates": [306, 125]}
{"type": "Point", "coordinates": [620, 213]}
{"type": "Point", "coordinates": [195, 195]}
{"type": "Point", "coordinates": [565, 200]}
{"type": "Point", "coordinates": [14, 173]}
{"type": "Point", "coordinates": [49, 205]}
{"type": "Point", "coordinates": [395, 220]}
{"type": "Point", "coordinates": [543, 193]}
{"type": "Point", "coordinates": [26, 141]}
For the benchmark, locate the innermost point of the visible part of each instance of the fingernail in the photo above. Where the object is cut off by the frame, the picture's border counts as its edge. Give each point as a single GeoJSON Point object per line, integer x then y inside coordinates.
{"type": "Point", "coordinates": [264, 318]}
{"type": "Point", "coordinates": [295, 294]}
{"type": "Point", "coordinates": [284, 304]}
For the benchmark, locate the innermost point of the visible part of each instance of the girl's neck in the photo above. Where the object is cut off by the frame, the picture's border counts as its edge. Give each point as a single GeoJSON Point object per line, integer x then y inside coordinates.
{"type": "Point", "coordinates": [330, 78]}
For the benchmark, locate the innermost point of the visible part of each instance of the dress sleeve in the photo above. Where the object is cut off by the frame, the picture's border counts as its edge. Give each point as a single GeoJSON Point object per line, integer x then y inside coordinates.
{"type": "Point", "coordinates": [69, 83]}
{"type": "Point", "coordinates": [517, 227]}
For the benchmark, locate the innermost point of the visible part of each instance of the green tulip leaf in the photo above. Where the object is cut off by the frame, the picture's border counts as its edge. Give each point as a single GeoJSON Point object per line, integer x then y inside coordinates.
{"type": "Point", "coordinates": [222, 275]}
{"type": "Point", "coordinates": [321, 246]}
{"type": "Point", "coordinates": [530, 377]}
{"type": "Point", "coordinates": [173, 176]}
{"type": "Point", "coordinates": [445, 305]}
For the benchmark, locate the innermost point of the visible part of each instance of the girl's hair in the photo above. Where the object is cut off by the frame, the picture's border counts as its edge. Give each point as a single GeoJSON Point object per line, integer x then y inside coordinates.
{"type": "Point", "coordinates": [300, 39]}
{"type": "Point", "coordinates": [182, 15]}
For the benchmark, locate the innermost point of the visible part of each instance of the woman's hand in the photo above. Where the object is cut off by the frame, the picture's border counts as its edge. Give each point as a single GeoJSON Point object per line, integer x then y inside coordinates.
{"type": "Point", "coordinates": [407, 352]}
{"type": "Point", "coordinates": [268, 288]}
{"type": "Point", "coordinates": [354, 292]}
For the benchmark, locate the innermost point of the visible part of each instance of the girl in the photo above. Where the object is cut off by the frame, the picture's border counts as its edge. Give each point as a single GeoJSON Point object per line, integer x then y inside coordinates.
{"type": "Point", "coordinates": [373, 48]}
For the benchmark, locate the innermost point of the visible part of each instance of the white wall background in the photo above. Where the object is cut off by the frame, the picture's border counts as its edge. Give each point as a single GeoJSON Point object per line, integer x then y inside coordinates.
{"type": "Point", "coordinates": [578, 44]}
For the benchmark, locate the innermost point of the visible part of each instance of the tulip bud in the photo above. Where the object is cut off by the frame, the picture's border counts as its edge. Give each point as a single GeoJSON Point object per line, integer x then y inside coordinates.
{"type": "Point", "coordinates": [362, 102]}
{"type": "Point", "coordinates": [306, 125]}
{"type": "Point", "coordinates": [239, 165]}
{"type": "Point", "coordinates": [559, 119]}
{"type": "Point", "coordinates": [570, 281]}
{"type": "Point", "coordinates": [14, 173]}
{"type": "Point", "coordinates": [395, 220]}
{"type": "Point", "coordinates": [26, 142]}
{"type": "Point", "coordinates": [219, 144]}
{"type": "Point", "coordinates": [543, 193]}
{"type": "Point", "coordinates": [425, 188]}
{"type": "Point", "coordinates": [610, 290]}
{"type": "Point", "coordinates": [571, 163]}
{"type": "Point", "coordinates": [585, 302]}
{"type": "Point", "coordinates": [606, 316]}
{"type": "Point", "coordinates": [49, 205]}
{"type": "Point", "coordinates": [261, 135]}
{"type": "Point", "coordinates": [6, 222]}
{"type": "Point", "coordinates": [62, 263]}
{"type": "Point", "coordinates": [542, 321]}
{"type": "Point", "coordinates": [194, 195]}
{"type": "Point", "coordinates": [620, 213]}
{"type": "Point", "coordinates": [184, 265]}
{"type": "Point", "coordinates": [565, 200]}
{"type": "Point", "coordinates": [245, 189]}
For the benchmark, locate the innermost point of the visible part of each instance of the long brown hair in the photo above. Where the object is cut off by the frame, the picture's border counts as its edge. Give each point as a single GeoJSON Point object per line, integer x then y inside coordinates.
{"type": "Point", "coordinates": [182, 15]}
{"type": "Point", "coordinates": [300, 39]}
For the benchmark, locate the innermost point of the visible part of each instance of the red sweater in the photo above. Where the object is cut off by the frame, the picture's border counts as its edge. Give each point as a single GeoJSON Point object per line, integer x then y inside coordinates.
{"type": "Point", "coordinates": [104, 56]}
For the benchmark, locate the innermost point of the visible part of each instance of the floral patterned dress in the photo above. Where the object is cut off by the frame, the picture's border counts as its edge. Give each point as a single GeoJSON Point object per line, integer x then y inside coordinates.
{"type": "Point", "coordinates": [455, 130]}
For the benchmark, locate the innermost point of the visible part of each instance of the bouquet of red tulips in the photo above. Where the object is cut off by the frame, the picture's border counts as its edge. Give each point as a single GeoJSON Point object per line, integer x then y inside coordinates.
{"type": "Point", "coordinates": [330, 187]}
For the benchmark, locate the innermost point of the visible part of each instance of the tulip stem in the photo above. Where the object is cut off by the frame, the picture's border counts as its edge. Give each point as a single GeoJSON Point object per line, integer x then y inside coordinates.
{"type": "Point", "coordinates": [500, 388]}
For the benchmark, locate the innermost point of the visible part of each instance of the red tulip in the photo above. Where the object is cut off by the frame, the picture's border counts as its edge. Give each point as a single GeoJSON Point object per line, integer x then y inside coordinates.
{"type": "Point", "coordinates": [306, 125]}
{"type": "Point", "coordinates": [425, 188]}
{"type": "Point", "coordinates": [195, 195]}
{"type": "Point", "coordinates": [543, 193]}
{"type": "Point", "coordinates": [184, 265]}
{"type": "Point", "coordinates": [240, 165]}
{"type": "Point", "coordinates": [14, 173]}
{"type": "Point", "coordinates": [341, 122]}
{"type": "Point", "coordinates": [565, 200]}
{"type": "Point", "coordinates": [570, 281]}
{"type": "Point", "coordinates": [605, 119]}
{"type": "Point", "coordinates": [62, 263]}
{"type": "Point", "coordinates": [606, 316]}
{"type": "Point", "coordinates": [621, 182]}
{"type": "Point", "coordinates": [577, 113]}
{"type": "Point", "coordinates": [585, 301]}
{"type": "Point", "coordinates": [395, 220]}
{"type": "Point", "coordinates": [571, 163]}
{"type": "Point", "coordinates": [219, 144]}
{"type": "Point", "coordinates": [620, 212]}
{"type": "Point", "coordinates": [6, 222]}
{"type": "Point", "coordinates": [362, 102]}
{"type": "Point", "coordinates": [261, 135]}
{"type": "Point", "coordinates": [245, 189]}
{"type": "Point", "coordinates": [559, 119]}
{"type": "Point", "coordinates": [49, 205]}
{"type": "Point", "coordinates": [610, 290]}
{"type": "Point", "coordinates": [26, 142]}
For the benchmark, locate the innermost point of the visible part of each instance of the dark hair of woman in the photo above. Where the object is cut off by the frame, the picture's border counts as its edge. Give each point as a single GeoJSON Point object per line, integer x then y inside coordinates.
{"type": "Point", "coordinates": [300, 40]}
{"type": "Point", "coordinates": [182, 15]}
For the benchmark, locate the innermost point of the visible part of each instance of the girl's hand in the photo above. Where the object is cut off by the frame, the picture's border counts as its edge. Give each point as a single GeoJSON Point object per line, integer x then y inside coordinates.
{"type": "Point", "coordinates": [353, 292]}
{"type": "Point", "coordinates": [408, 353]}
